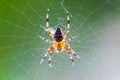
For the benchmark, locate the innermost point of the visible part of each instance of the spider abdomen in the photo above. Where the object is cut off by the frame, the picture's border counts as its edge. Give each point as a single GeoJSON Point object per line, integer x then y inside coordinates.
{"type": "Point", "coordinates": [58, 35]}
{"type": "Point", "coordinates": [59, 45]}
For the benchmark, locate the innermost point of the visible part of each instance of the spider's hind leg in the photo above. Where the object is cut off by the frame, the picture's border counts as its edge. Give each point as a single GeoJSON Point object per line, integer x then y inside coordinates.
{"type": "Point", "coordinates": [68, 49]}
{"type": "Point", "coordinates": [44, 57]}
{"type": "Point", "coordinates": [75, 54]}
{"type": "Point", "coordinates": [50, 51]}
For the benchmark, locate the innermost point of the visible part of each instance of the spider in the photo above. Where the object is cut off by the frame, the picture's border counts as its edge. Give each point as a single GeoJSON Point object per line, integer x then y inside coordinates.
{"type": "Point", "coordinates": [59, 42]}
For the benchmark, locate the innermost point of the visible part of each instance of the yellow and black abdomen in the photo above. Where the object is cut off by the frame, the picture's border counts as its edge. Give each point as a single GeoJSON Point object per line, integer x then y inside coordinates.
{"type": "Point", "coordinates": [59, 45]}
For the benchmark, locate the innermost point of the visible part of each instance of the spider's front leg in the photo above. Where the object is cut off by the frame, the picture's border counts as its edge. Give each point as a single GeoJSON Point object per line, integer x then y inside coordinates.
{"type": "Point", "coordinates": [50, 51]}
{"type": "Point", "coordinates": [68, 25]}
{"type": "Point", "coordinates": [47, 23]}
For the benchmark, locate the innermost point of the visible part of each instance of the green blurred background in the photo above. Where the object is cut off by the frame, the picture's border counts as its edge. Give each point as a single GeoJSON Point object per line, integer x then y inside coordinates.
{"type": "Point", "coordinates": [97, 22]}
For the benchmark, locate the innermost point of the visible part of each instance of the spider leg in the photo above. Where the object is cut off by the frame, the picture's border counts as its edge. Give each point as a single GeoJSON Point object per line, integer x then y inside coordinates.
{"type": "Point", "coordinates": [44, 39]}
{"type": "Point", "coordinates": [70, 39]}
{"type": "Point", "coordinates": [68, 49]}
{"type": "Point", "coordinates": [47, 24]}
{"type": "Point", "coordinates": [68, 25]}
{"type": "Point", "coordinates": [75, 54]}
{"type": "Point", "coordinates": [44, 57]}
{"type": "Point", "coordinates": [47, 19]}
{"type": "Point", "coordinates": [50, 51]}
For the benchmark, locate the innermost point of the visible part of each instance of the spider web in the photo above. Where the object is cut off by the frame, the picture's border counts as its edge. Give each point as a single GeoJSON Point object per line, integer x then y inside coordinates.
{"type": "Point", "coordinates": [21, 49]}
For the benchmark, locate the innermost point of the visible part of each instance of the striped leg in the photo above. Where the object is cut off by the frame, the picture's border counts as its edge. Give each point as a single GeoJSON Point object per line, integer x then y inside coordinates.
{"type": "Point", "coordinates": [44, 39]}
{"type": "Point", "coordinates": [75, 54]}
{"type": "Point", "coordinates": [49, 60]}
{"type": "Point", "coordinates": [44, 57]}
{"type": "Point", "coordinates": [51, 49]}
{"type": "Point", "coordinates": [68, 20]}
{"type": "Point", "coordinates": [72, 38]}
{"type": "Point", "coordinates": [47, 23]}
{"type": "Point", "coordinates": [47, 19]}
{"type": "Point", "coordinates": [68, 49]}
{"type": "Point", "coordinates": [68, 25]}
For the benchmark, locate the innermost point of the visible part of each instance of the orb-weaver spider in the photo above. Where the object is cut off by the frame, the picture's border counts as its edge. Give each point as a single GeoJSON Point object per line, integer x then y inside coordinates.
{"type": "Point", "coordinates": [59, 42]}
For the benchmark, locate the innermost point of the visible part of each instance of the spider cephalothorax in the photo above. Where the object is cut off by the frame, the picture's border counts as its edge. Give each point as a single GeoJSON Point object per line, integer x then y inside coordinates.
{"type": "Point", "coordinates": [59, 42]}
{"type": "Point", "coordinates": [58, 35]}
